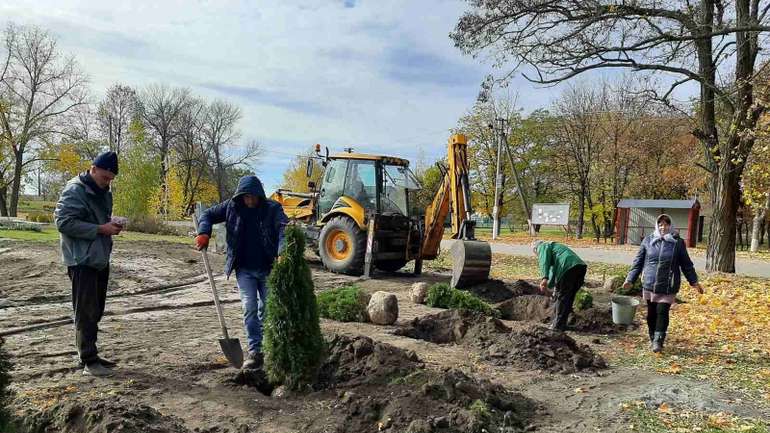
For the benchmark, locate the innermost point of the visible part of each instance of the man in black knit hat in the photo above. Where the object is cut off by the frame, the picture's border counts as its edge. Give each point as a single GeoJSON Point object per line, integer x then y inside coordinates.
{"type": "Point", "coordinates": [83, 217]}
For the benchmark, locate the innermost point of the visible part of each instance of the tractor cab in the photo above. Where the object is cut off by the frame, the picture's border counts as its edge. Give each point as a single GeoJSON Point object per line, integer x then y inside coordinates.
{"type": "Point", "coordinates": [357, 189]}
{"type": "Point", "coordinates": [374, 184]}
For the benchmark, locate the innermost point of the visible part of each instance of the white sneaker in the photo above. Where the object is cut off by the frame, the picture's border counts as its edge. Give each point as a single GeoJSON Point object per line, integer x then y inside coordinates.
{"type": "Point", "coordinates": [97, 370]}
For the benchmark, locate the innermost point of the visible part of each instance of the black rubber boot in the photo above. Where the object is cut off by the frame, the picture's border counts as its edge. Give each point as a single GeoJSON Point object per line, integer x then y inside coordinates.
{"type": "Point", "coordinates": [657, 341]}
{"type": "Point", "coordinates": [253, 362]}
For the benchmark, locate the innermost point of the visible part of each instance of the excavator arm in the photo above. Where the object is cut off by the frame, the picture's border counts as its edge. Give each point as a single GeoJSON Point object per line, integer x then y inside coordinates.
{"type": "Point", "coordinates": [471, 259]}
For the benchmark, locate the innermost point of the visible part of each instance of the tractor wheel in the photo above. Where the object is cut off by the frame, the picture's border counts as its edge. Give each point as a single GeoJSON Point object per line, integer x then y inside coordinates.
{"type": "Point", "coordinates": [391, 265]}
{"type": "Point", "coordinates": [342, 246]}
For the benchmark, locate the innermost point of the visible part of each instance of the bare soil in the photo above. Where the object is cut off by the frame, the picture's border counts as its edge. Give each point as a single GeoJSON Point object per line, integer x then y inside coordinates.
{"type": "Point", "coordinates": [534, 347]}
{"type": "Point", "coordinates": [161, 328]}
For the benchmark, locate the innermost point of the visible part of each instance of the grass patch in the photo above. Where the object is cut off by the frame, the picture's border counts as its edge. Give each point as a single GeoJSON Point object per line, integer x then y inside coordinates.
{"type": "Point", "coordinates": [440, 295]}
{"type": "Point", "coordinates": [668, 419]}
{"type": "Point", "coordinates": [50, 234]}
{"type": "Point", "coordinates": [343, 304]}
{"type": "Point", "coordinates": [47, 234]}
{"type": "Point", "coordinates": [34, 205]}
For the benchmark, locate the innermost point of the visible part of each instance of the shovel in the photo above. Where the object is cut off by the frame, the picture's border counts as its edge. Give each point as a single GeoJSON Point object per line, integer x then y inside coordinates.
{"type": "Point", "coordinates": [231, 347]}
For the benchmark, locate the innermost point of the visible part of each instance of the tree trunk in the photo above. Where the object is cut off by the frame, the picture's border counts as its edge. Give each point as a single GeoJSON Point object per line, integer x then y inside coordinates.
{"type": "Point", "coordinates": [757, 226]}
{"type": "Point", "coordinates": [16, 184]}
{"type": "Point", "coordinates": [581, 215]}
{"type": "Point", "coordinates": [4, 201]}
{"type": "Point", "coordinates": [720, 253]}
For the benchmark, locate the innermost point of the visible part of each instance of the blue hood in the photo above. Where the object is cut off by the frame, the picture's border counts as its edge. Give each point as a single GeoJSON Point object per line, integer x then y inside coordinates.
{"type": "Point", "coordinates": [250, 185]}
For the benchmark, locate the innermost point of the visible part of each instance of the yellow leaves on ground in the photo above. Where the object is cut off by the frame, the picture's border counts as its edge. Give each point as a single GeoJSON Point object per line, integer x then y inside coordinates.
{"type": "Point", "coordinates": [732, 317]}
{"type": "Point", "coordinates": [682, 419]}
{"type": "Point", "coordinates": [674, 368]}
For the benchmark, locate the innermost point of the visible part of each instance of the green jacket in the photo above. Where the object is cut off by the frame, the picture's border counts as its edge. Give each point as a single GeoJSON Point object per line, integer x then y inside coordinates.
{"type": "Point", "coordinates": [78, 214]}
{"type": "Point", "coordinates": [555, 260]}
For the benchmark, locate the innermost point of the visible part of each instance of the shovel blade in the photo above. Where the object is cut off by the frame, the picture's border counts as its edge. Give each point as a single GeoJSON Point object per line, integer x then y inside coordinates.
{"type": "Point", "coordinates": [231, 347]}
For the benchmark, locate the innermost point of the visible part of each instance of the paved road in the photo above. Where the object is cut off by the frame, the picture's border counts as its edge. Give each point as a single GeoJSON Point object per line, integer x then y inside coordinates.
{"type": "Point", "coordinates": [752, 268]}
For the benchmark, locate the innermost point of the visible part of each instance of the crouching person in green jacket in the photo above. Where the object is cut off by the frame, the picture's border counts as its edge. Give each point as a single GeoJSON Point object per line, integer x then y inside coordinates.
{"type": "Point", "coordinates": [83, 217]}
{"type": "Point", "coordinates": [562, 270]}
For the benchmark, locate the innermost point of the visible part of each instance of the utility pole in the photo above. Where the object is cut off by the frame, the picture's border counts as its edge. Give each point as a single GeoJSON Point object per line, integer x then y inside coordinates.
{"type": "Point", "coordinates": [522, 197]}
{"type": "Point", "coordinates": [498, 180]}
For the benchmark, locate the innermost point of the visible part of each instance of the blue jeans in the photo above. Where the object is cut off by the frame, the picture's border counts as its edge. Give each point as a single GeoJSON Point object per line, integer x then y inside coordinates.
{"type": "Point", "coordinates": [253, 287]}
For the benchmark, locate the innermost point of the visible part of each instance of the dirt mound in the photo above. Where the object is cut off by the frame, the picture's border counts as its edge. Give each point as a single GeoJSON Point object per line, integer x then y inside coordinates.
{"type": "Point", "coordinates": [535, 308]}
{"type": "Point", "coordinates": [595, 321]}
{"type": "Point", "coordinates": [532, 348]}
{"type": "Point", "coordinates": [494, 291]}
{"type": "Point", "coordinates": [255, 379]}
{"type": "Point", "coordinates": [452, 326]}
{"type": "Point", "coordinates": [543, 349]}
{"type": "Point", "coordinates": [101, 416]}
{"type": "Point", "coordinates": [361, 360]}
{"type": "Point", "coordinates": [429, 401]}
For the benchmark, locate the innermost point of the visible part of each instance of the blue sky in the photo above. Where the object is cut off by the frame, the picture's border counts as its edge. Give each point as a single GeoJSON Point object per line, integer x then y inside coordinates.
{"type": "Point", "coordinates": [378, 76]}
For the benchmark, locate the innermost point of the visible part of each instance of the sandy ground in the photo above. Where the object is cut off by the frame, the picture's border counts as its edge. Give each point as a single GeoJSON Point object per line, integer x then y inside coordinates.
{"type": "Point", "coordinates": [162, 329]}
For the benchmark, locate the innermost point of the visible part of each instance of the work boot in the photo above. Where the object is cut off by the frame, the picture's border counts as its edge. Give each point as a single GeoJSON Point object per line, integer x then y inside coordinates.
{"type": "Point", "coordinates": [657, 342]}
{"type": "Point", "coordinates": [253, 361]}
{"type": "Point", "coordinates": [97, 370]}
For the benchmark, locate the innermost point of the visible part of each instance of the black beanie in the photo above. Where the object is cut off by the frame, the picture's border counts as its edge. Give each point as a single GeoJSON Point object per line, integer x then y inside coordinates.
{"type": "Point", "coordinates": [108, 161]}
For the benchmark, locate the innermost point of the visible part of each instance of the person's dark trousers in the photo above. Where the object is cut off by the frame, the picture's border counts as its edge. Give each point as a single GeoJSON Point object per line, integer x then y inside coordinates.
{"type": "Point", "coordinates": [89, 294]}
{"type": "Point", "coordinates": [657, 317]}
{"type": "Point", "coordinates": [564, 295]}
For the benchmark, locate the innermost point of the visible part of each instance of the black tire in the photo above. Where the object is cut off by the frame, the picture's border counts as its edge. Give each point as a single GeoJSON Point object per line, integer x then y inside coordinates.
{"type": "Point", "coordinates": [391, 265]}
{"type": "Point", "coordinates": [354, 249]}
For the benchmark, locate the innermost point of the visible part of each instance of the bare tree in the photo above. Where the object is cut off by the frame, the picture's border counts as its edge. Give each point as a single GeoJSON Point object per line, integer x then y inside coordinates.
{"type": "Point", "coordinates": [161, 108]}
{"type": "Point", "coordinates": [622, 125]}
{"type": "Point", "coordinates": [190, 149]}
{"type": "Point", "coordinates": [220, 133]}
{"type": "Point", "coordinates": [579, 143]}
{"type": "Point", "coordinates": [38, 86]}
{"type": "Point", "coordinates": [115, 113]}
{"type": "Point", "coordinates": [694, 41]}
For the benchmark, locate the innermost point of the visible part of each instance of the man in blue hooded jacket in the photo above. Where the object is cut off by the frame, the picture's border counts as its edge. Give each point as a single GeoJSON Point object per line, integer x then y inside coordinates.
{"type": "Point", "coordinates": [254, 226]}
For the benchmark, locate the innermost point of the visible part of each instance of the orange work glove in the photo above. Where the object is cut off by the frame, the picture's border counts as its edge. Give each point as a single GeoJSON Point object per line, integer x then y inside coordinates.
{"type": "Point", "coordinates": [202, 241]}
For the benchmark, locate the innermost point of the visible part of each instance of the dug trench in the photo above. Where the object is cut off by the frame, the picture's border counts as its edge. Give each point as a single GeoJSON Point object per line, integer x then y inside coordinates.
{"type": "Point", "coordinates": [173, 378]}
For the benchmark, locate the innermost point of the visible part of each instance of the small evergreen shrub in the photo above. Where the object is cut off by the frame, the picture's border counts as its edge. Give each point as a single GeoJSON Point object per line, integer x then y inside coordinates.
{"type": "Point", "coordinates": [440, 295]}
{"type": "Point", "coordinates": [40, 217]}
{"type": "Point", "coordinates": [293, 346]}
{"type": "Point", "coordinates": [343, 304]}
{"type": "Point", "coordinates": [583, 300]}
{"type": "Point", "coordinates": [5, 393]}
{"type": "Point", "coordinates": [151, 225]}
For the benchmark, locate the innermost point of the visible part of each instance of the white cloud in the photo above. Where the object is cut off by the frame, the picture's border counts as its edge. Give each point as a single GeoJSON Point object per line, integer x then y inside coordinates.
{"type": "Point", "coordinates": [379, 76]}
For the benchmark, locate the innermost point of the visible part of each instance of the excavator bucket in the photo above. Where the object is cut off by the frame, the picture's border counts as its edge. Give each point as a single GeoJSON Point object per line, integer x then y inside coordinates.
{"type": "Point", "coordinates": [470, 262]}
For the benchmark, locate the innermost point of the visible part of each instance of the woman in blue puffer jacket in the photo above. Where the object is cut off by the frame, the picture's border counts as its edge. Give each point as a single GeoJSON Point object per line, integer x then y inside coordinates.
{"type": "Point", "coordinates": [663, 258]}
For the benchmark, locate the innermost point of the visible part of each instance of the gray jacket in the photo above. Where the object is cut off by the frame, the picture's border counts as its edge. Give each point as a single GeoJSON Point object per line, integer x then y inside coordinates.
{"type": "Point", "coordinates": [78, 213]}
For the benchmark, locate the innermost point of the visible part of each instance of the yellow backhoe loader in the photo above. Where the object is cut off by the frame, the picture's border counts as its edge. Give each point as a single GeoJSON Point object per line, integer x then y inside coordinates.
{"type": "Point", "coordinates": [360, 218]}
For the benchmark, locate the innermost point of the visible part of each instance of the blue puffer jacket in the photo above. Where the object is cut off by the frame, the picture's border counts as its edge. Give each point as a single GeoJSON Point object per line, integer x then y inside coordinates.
{"type": "Point", "coordinates": [663, 261]}
{"type": "Point", "coordinates": [271, 222]}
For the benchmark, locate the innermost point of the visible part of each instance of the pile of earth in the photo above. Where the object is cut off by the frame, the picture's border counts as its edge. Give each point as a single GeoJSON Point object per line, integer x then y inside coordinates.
{"type": "Point", "coordinates": [534, 308]}
{"type": "Point", "coordinates": [376, 387]}
{"type": "Point", "coordinates": [543, 349]}
{"type": "Point", "coordinates": [596, 320]}
{"type": "Point", "coordinates": [534, 347]}
{"type": "Point", "coordinates": [107, 415]}
{"type": "Point", "coordinates": [494, 291]}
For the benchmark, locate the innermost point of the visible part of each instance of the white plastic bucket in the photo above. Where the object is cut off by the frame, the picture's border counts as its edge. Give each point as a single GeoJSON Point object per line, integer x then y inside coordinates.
{"type": "Point", "coordinates": [624, 309]}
